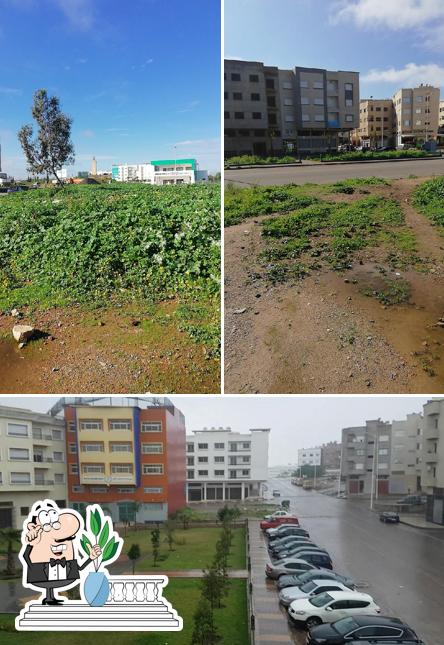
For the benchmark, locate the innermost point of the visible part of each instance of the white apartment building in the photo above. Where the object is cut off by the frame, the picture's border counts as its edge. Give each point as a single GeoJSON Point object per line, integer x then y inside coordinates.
{"type": "Point", "coordinates": [310, 457]}
{"type": "Point", "coordinates": [161, 172]}
{"type": "Point", "coordinates": [32, 463]}
{"type": "Point", "coordinates": [226, 465]}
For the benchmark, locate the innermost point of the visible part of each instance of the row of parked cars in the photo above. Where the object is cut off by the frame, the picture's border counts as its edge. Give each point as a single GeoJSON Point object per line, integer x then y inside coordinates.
{"type": "Point", "coordinates": [318, 598]}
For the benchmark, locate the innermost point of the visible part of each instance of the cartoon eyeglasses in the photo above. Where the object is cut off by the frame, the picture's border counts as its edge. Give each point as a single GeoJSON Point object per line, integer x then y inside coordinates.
{"type": "Point", "coordinates": [49, 520]}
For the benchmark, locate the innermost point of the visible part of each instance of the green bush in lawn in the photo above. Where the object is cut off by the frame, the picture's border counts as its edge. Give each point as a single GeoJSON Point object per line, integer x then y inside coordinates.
{"type": "Point", "coordinates": [429, 199]}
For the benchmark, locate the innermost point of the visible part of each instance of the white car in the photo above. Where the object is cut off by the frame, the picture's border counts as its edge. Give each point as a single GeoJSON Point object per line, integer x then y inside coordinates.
{"type": "Point", "coordinates": [311, 588]}
{"type": "Point", "coordinates": [331, 606]}
{"type": "Point", "coordinates": [278, 514]}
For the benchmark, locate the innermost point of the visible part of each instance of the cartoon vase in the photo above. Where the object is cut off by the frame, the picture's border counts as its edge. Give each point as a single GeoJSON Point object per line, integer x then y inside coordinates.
{"type": "Point", "coordinates": [96, 589]}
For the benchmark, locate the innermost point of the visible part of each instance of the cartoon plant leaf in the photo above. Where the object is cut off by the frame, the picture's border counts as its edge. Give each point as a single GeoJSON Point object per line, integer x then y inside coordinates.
{"type": "Point", "coordinates": [84, 541]}
{"type": "Point", "coordinates": [110, 550]}
{"type": "Point", "coordinates": [104, 535]}
{"type": "Point", "coordinates": [95, 522]}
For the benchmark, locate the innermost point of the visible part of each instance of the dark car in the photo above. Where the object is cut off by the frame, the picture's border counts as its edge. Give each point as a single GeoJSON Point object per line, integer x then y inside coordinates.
{"type": "Point", "coordinates": [359, 628]}
{"type": "Point", "coordinates": [293, 549]}
{"type": "Point", "coordinates": [288, 543]}
{"type": "Point", "coordinates": [17, 189]}
{"type": "Point", "coordinates": [413, 500]}
{"type": "Point", "coordinates": [286, 531]}
{"type": "Point", "coordinates": [295, 580]}
{"type": "Point", "coordinates": [317, 558]}
{"type": "Point", "coordinates": [390, 517]}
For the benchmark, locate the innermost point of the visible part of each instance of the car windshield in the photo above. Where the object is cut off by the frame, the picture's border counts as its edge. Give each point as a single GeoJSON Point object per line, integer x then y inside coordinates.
{"type": "Point", "coordinates": [320, 600]}
{"type": "Point", "coordinates": [305, 577]}
{"type": "Point", "coordinates": [309, 586]}
{"type": "Point", "coordinates": [345, 625]}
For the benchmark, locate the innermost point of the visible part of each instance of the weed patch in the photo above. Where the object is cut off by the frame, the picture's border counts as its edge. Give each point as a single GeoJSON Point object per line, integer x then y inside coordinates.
{"type": "Point", "coordinates": [394, 292]}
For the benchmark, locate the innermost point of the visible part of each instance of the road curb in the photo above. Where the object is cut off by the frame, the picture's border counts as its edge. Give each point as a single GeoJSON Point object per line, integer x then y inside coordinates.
{"type": "Point", "coordinates": [332, 163]}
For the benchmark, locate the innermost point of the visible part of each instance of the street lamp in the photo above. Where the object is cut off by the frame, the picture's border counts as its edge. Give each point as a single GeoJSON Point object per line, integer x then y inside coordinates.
{"type": "Point", "coordinates": [375, 465]}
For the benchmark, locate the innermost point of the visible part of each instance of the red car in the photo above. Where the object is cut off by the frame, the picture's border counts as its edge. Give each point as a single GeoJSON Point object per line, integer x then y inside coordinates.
{"type": "Point", "coordinates": [277, 521]}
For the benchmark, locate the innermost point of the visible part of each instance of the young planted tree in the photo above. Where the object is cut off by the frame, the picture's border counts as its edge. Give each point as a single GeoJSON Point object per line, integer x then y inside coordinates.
{"type": "Point", "coordinates": [134, 555]}
{"type": "Point", "coordinates": [155, 543]}
{"type": "Point", "coordinates": [184, 515]}
{"type": "Point", "coordinates": [52, 147]}
{"type": "Point", "coordinates": [11, 536]}
{"type": "Point", "coordinates": [170, 527]}
{"type": "Point", "coordinates": [204, 632]}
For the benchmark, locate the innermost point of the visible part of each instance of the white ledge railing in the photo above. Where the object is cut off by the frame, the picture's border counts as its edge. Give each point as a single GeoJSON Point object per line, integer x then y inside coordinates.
{"type": "Point", "coordinates": [140, 588]}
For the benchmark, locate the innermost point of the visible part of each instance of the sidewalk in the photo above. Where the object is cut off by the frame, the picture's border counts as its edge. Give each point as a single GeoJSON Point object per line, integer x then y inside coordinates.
{"type": "Point", "coordinates": [418, 522]}
{"type": "Point", "coordinates": [271, 624]}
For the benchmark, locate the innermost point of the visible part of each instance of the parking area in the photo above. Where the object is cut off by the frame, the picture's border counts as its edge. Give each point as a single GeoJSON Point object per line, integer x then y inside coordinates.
{"type": "Point", "coordinates": [398, 565]}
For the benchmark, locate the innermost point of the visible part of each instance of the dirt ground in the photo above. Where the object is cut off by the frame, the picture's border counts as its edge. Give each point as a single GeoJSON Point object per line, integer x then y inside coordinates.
{"type": "Point", "coordinates": [116, 350]}
{"type": "Point", "coordinates": [322, 334]}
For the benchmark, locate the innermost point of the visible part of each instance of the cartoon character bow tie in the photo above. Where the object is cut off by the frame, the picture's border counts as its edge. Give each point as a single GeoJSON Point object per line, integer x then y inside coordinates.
{"type": "Point", "coordinates": [53, 562]}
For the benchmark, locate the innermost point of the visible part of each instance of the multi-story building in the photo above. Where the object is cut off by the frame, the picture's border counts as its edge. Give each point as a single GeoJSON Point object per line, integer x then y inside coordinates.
{"type": "Point", "coordinates": [161, 172]}
{"type": "Point", "coordinates": [432, 470]}
{"type": "Point", "coordinates": [331, 455]}
{"type": "Point", "coordinates": [375, 123]}
{"type": "Point", "coordinates": [366, 458]}
{"type": "Point", "coordinates": [271, 111]}
{"type": "Point", "coordinates": [226, 465]}
{"type": "Point", "coordinates": [405, 457]}
{"type": "Point", "coordinates": [416, 115]}
{"type": "Point", "coordinates": [309, 457]}
{"type": "Point", "coordinates": [127, 455]}
{"type": "Point", "coordinates": [32, 463]}
{"type": "Point", "coordinates": [441, 116]}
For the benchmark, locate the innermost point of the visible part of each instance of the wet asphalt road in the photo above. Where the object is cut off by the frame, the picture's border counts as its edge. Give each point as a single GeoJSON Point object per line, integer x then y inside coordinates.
{"type": "Point", "coordinates": [325, 174]}
{"type": "Point", "coordinates": [401, 567]}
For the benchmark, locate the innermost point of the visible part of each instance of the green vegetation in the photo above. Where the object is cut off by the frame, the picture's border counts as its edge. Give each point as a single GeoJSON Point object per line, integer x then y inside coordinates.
{"type": "Point", "coordinates": [393, 292]}
{"type": "Point", "coordinates": [348, 186]}
{"type": "Point", "coordinates": [365, 156]}
{"type": "Point", "coordinates": [429, 199]}
{"type": "Point", "coordinates": [253, 160]}
{"type": "Point", "coordinates": [109, 243]}
{"type": "Point", "coordinates": [231, 621]}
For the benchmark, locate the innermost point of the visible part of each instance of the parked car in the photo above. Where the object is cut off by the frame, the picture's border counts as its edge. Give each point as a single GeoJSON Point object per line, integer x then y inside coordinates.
{"type": "Point", "coordinates": [276, 493]}
{"type": "Point", "coordinates": [389, 516]}
{"type": "Point", "coordinates": [290, 565]}
{"type": "Point", "coordinates": [296, 580]}
{"type": "Point", "coordinates": [293, 549]}
{"type": "Point", "coordinates": [284, 531]}
{"type": "Point", "coordinates": [277, 521]}
{"type": "Point", "coordinates": [17, 189]}
{"type": "Point", "coordinates": [285, 503]}
{"type": "Point", "coordinates": [280, 513]}
{"type": "Point", "coordinates": [287, 543]}
{"type": "Point", "coordinates": [316, 557]}
{"type": "Point", "coordinates": [413, 500]}
{"type": "Point", "coordinates": [359, 627]}
{"type": "Point", "coordinates": [331, 606]}
{"type": "Point", "coordinates": [309, 589]}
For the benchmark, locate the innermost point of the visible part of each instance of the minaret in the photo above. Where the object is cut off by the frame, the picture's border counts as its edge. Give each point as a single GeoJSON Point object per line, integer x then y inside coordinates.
{"type": "Point", "coordinates": [93, 167]}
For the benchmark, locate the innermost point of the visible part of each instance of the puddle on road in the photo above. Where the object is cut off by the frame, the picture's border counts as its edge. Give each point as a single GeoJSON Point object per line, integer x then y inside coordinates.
{"type": "Point", "coordinates": [12, 360]}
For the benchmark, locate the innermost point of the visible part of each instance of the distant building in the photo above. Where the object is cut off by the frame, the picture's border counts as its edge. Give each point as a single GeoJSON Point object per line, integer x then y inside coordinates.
{"type": "Point", "coordinates": [83, 174]}
{"type": "Point", "coordinates": [366, 458]}
{"type": "Point", "coordinates": [226, 465]}
{"type": "Point", "coordinates": [432, 468]}
{"type": "Point", "coordinates": [416, 115]}
{"type": "Point", "coordinates": [375, 123]}
{"type": "Point", "coordinates": [93, 172]}
{"type": "Point", "coordinates": [405, 455]}
{"type": "Point", "coordinates": [62, 173]}
{"type": "Point", "coordinates": [161, 172]}
{"type": "Point", "coordinates": [309, 457]}
{"type": "Point", "coordinates": [331, 455]}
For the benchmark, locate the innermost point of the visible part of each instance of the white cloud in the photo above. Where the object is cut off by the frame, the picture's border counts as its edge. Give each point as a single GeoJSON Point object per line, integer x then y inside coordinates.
{"type": "Point", "coordinates": [10, 91]}
{"type": "Point", "coordinates": [190, 107]}
{"type": "Point", "coordinates": [88, 134]}
{"type": "Point", "coordinates": [424, 16]}
{"type": "Point", "coordinates": [409, 75]}
{"type": "Point", "coordinates": [80, 13]}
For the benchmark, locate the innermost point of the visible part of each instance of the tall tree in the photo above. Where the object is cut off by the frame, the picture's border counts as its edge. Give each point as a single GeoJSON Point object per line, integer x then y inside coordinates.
{"type": "Point", "coordinates": [11, 536]}
{"type": "Point", "coordinates": [134, 554]}
{"type": "Point", "coordinates": [52, 147]}
{"type": "Point", "coordinates": [205, 631]}
{"type": "Point", "coordinates": [155, 543]}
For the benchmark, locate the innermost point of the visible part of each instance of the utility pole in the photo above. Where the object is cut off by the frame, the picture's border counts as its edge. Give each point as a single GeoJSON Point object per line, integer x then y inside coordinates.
{"type": "Point", "coordinates": [314, 480]}
{"type": "Point", "coordinates": [373, 474]}
{"type": "Point", "coordinates": [340, 470]}
{"type": "Point", "coordinates": [377, 466]}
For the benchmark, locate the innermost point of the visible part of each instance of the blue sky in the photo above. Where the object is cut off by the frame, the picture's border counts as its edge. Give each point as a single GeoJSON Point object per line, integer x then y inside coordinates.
{"type": "Point", "coordinates": [392, 43]}
{"type": "Point", "coordinates": [136, 77]}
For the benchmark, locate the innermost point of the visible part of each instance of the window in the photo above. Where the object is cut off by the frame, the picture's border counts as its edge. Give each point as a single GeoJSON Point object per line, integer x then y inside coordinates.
{"type": "Point", "coordinates": [303, 84]}
{"type": "Point", "coordinates": [287, 85]}
{"type": "Point", "coordinates": [305, 100]}
{"type": "Point", "coordinates": [225, 95]}
{"type": "Point", "coordinates": [257, 115]}
{"type": "Point", "coordinates": [78, 489]}
{"type": "Point", "coordinates": [190, 474]}
{"type": "Point", "coordinates": [306, 117]}
{"type": "Point", "coordinates": [24, 510]}
{"type": "Point", "coordinates": [120, 425]}
{"type": "Point", "coordinates": [246, 445]}
{"type": "Point", "coordinates": [419, 99]}
{"type": "Point", "coordinates": [152, 448]}
{"type": "Point", "coordinates": [238, 115]}
{"type": "Point", "coordinates": [151, 426]}
{"type": "Point", "coordinates": [99, 489]}
{"type": "Point", "coordinates": [384, 437]}
{"type": "Point", "coordinates": [219, 460]}
{"type": "Point", "coordinates": [20, 478]}
{"type": "Point", "coordinates": [406, 99]}
{"type": "Point", "coordinates": [407, 123]}
{"type": "Point", "coordinates": [202, 473]}
{"type": "Point", "coordinates": [235, 77]}
{"type": "Point", "coordinates": [245, 473]}
{"type": "Point", "coordinates": [418, 111]}
{"type": "Point", "coordinates": [349, 103]}
{"type": "Point", "coordinates": [153, 469]}
{"type": "Point", "coordinates": [348, 87]}
{"type": "Point", "coordinates": [237, 96]}
{"type": "Point", "coordinates": [121, 447]}
{"type": "Point", "coordinates": [255, 97]}
{"type": "Point", "coordinates": [91, 447]}
{"type": "Point", "coordinates": [254, 78]}
{"type": "Point", "coordinates": [57, 435]}
{"type": "Point", "coordinates": [202, 446]}
{"type": "Point", "coordinates": [190, 461]}
{"type": "Point", "coordinates": [203, 460]}
{"type": "Point", "coordinates": [271, 101]}
{"type": "Point", "coordinates": [288, 101]}
{"type": "Point", "coordinates": [318, 101]}
{"type": "Point", "coordinates": [190, 447]}
{"type": "Point", "coordinates": [226, 115]}
{"type": "Point", "coordinates": [271, 120]}
{"type": "Point", "coordinates": [91, 425]}
{"type": "Point", "coordinates": [71, 426]}
{"type": "Point", "coordinates": [73, 448]}
{"type": "Point", "coordinates": [17, 430]}
{"type": "Point", "coordinates": [219, 446]}
{"type": "Point", "coordinates": [219, 473]}
{"type": "Point", "coordinates": [418, 122]}
{"type": "Point", "coordinates": [121, 468]}
{"type": "Point", "coordinates": [74, 469]}
{"type": "Point", "coordinates": [289, 118]}
{"type": "Point", "coordinates": [57, 456]}
{"type": "Point", "coordinates": [269, 82]}
{"type": "Point", "coordinates": [319, 117]}
{"type": "Point", "coordinates": [349, 118]}
{"type": "Point", "coordinates": [93, 468]}
{"type": "Point", "coordinates": [318, 85]}
{"type": "Point", "coordinates": [18, 454]}
{"type": "Point", "coordinates": [59, 478]}
{"type": "Point", "coordinates": [153, 490]}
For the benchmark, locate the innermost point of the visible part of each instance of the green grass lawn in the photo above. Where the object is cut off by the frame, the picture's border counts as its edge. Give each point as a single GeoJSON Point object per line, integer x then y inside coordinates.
{"type": "Point", "coordinates": [183, 595]}
{"type": "Point", "coordinates": [194, 549]}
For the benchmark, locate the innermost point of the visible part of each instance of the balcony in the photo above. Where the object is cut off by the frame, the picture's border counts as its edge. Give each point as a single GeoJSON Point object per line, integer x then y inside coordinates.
{"type": "Point", "coordinates": [41, 436]}
{"type": "Point", "coordinates": [431, 457]}
{"type": "Point", "coordinates": [43, 482]}
{"type": "Point", "coordinates": [133, 600]}
{"type": "Point", "coordinates": [39, 459]}
{"type": "Point", "coordinates": [430, 431]}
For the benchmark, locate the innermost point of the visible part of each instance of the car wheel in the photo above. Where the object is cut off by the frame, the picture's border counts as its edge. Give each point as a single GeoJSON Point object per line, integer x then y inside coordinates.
{"type": "Point", "coordinates": [312, 622]}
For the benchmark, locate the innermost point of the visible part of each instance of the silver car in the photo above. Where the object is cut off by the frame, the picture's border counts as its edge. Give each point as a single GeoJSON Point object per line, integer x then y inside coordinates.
{"type": "Point", "coordinates": [312, 588]}
{"type": "Point", "coordinates": [289, 565]}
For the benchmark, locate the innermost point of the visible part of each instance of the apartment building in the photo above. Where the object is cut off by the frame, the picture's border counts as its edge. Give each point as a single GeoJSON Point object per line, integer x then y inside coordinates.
{"type": "Point", "coordinates": [405, 455]}
{"type": "Point", "coordinates": [366, 458]}
{"type": "Point", "coordinates": [416, 115]}
{"type": "Point", "coordinates": [32, 463]}
{"type": "Point", "coordinates": [441, 116]}
{"type": "Point", "coordinates": [309, 457]}
{"type": "Point", "coordinates": [126, 454]}
{"type": "Point", "coordinates": [226, 465]}
{"type": "Point", "coordinates": [432, 467]}
{"type": "Point", "coordinates": [375, 123]}
{"type": "Point", "coordinates": [161, 172]}
{"type": "Point", "coordinates": [331, 455]}
{"type": "Point", "coordinates": [271, 111]}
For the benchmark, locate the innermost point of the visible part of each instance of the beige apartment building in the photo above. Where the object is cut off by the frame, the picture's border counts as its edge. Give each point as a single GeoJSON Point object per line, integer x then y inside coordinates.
{"type": "Point", "coordinates": [441, 115]}
{"type": "Point", "coordinates": [432, 471]}
{"type": "Point", "coordinates": [416, 115]}
{"type": "Point", "coordinates": [271, 111]}
{"type": "Point", "coordinates": [375, 123]}
{"type": "Point", "coordinates": [32, 463]}
{"type": "Point", "coordinates": [406, 455]}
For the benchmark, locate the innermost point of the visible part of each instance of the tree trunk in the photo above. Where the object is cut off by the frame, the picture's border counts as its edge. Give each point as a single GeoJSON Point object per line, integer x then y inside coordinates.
{"type": "Point", "coordinates": [10, 566]}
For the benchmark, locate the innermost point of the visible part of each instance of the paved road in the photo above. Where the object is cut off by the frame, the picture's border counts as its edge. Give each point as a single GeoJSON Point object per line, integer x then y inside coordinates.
{"type": "Point", "coordinates": [401, 567]}
{"type": "Point", "coordinates": [328, 174]}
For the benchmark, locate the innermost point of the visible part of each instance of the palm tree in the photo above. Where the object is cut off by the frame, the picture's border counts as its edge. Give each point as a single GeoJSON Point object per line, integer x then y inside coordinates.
{"type": "Point", "coordinates": [11, 536]}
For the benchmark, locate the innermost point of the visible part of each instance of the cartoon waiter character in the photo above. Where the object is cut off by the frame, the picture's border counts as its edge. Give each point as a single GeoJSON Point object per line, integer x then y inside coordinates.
{"type": "Point", "coordinates": [49, 560]}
